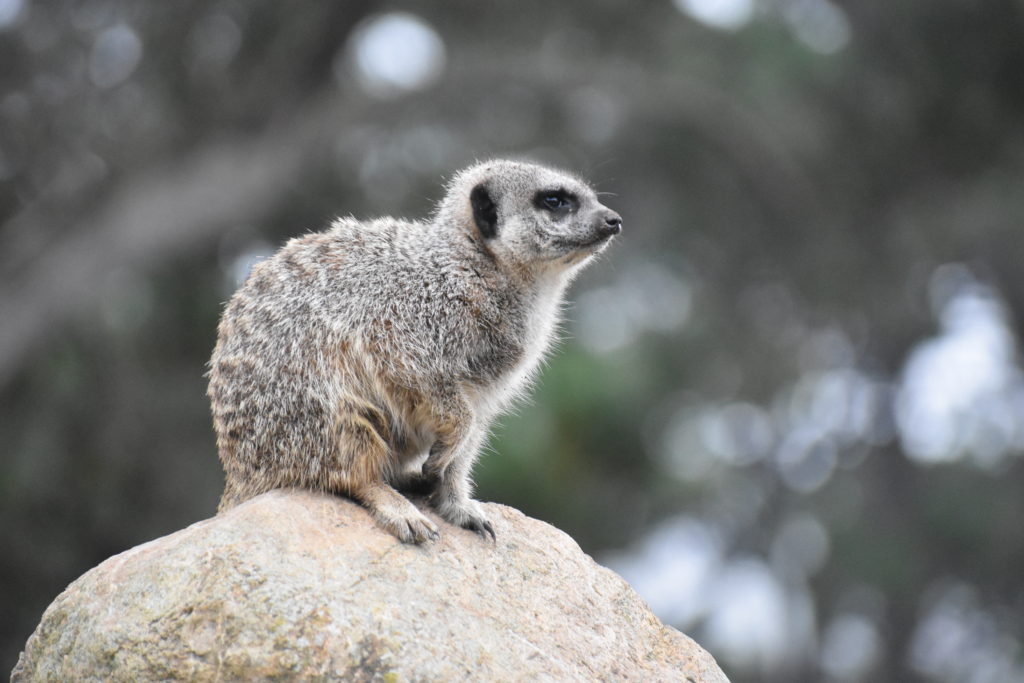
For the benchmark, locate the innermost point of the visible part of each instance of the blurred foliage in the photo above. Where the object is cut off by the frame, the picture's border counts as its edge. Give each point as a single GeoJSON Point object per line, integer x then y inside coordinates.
{"type": "Point", "coordinates": [789, 406]}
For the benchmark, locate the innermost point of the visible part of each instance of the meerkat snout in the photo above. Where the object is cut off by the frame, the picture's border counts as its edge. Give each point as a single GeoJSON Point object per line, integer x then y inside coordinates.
{"type": "Point", "coordinates": [612, 224]}
{"type": "Point", "coordinates": [373, 357]}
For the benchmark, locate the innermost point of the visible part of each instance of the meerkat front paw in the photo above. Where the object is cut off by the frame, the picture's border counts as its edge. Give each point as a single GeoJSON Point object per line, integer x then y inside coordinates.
{"type": "Point", "coordinates": [468, 514]}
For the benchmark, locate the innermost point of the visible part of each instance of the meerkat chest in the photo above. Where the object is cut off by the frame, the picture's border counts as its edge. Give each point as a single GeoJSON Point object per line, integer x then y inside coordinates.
{"type": "Point", "coordinates": [538, 332]}
{"type": "Point", "coordinates": [534, 334]}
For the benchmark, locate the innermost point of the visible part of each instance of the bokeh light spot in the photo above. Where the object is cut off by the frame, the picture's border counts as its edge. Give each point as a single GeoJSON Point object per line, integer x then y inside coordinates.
{"type": "Point", "coordinates": [115, 54]}
{"type": "Point", "coordinates": [395, 53]}
{"type": "Point", "coordinates": [726, 15]}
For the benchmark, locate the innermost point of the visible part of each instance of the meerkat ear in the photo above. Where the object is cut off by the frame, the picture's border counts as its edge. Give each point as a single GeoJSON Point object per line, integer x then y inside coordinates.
{"type": "Point", "coordinates": [485, 213]}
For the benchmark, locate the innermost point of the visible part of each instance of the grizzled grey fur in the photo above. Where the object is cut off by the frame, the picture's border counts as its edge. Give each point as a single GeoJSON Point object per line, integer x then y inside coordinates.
{"type": "Point", "coordinates": [374, 356]}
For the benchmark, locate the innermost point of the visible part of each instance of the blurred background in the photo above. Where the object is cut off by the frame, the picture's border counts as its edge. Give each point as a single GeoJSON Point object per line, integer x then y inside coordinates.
{"type": "Point", "coordinates": [790, 406]}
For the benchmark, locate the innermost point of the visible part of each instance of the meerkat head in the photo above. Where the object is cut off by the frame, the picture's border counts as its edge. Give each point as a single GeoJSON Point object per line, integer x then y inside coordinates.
{"type": "Point", "coordinates": [530, 216]}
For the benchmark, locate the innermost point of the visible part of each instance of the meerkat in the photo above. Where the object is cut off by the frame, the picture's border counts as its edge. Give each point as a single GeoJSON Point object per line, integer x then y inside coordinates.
{"type": "Point", "coordinates": [372, 357]}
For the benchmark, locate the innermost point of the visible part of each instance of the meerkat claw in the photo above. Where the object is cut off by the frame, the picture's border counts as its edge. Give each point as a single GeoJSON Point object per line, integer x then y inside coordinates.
{"type": "Point", "coordinates": [482, 527]}
{"type": "Point", "coordinates": [416, 533]}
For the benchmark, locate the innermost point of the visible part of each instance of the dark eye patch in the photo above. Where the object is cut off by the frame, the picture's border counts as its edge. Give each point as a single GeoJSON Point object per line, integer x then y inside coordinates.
{"type": "Point", "coordinates": [558, 202]}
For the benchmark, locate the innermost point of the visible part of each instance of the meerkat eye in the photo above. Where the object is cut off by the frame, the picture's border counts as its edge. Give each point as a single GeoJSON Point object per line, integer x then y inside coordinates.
{"type": "Point", "coordinates": [556, 201]}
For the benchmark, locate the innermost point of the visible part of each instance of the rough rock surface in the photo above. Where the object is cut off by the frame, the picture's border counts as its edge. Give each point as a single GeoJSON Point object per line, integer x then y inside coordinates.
{"type": "Point", "coordinates": [298, 585]}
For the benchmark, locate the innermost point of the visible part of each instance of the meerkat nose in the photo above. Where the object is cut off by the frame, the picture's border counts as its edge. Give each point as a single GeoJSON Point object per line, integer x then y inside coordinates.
{"type": "Point", "coordinates": [612, 223]}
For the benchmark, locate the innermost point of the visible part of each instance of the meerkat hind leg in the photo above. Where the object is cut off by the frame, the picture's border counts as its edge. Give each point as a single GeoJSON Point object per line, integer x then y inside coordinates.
{"type": "Point", "coordinates": [361, 461]}
{"type": "Point", "coordinates": [395, 513]}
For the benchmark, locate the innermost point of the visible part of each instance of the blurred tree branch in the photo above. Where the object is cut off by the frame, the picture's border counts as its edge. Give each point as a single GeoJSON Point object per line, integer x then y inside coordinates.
{"type": "Point", "coordinates": [154, 215]}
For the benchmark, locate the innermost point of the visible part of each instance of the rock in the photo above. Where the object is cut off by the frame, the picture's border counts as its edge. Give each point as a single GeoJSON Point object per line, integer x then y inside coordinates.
{"type": "Point", "coordinates": [300, 585]}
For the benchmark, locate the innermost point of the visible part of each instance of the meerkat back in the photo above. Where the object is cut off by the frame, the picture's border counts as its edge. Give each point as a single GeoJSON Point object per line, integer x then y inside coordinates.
{"type": "Point", "coordinates": [372, 357]}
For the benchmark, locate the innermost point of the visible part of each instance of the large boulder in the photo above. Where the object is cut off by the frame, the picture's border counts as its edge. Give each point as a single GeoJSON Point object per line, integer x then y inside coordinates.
{"type": "Point", "coordinates": [299, 585]}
